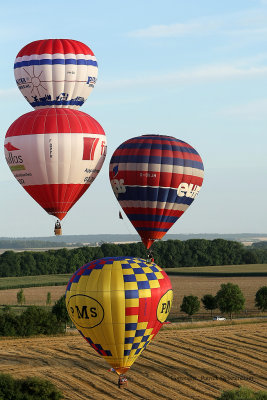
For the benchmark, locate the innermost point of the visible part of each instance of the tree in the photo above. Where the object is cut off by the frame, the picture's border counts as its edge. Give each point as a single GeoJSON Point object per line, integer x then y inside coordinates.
{"type": "Point", "coordinates": [60, 310]}
{"type": "Point", "coordinates": [261, 298]}
{"type": "Point", "coordinates": [209, 302]}
{"type": "Point", "coordinates": [20, 297]}
{"type": "Point", "coordinates": [48, 299]}
{"type": "Point", "coordinates": [230, 299]}
{"type": "Point", "coordinates": [190, 305]}
{"type": "Point", "coordinates": [27, 389]}
{"type": "Point", "coordinates": [243, 393]}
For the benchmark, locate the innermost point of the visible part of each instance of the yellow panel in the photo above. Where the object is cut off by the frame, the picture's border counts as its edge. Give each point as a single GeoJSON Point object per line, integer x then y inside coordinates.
{"type": "Point", "coordinates": [142, 325]}
{"type": "Point", "coordinates": [127, 271]}
{"type": "Point", "coordinates": [147, 270]}
{"type": "Point", "coordinates": [129, 334]}
{"type": "Point", "coordinates": [159, 275]}
{"type": "Point", "coordinates": [141, 277]}
{"type": "Point", "coordinates": [131, 318]}
{"type": "Point", "coordinates": [137, 339]}
{"type": "Point", "coordinates": [131, 303]}
{"type": "Point", "coordinates": [144, 293]}
{"type": "Point", "coordinates": [154, 284]}
{"type": "Point", "coordinates": [130, 286]}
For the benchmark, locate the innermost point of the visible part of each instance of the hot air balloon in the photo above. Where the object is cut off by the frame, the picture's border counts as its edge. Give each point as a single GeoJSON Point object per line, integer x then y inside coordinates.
{"type": "Point", "coordinates": [155, 179]}
{"type": "Point", "coordinates": [55, 154]}
{"type": "Point", "coordinates": [118, 304]}
{"type": "Point", "coordinates": [56, 73]}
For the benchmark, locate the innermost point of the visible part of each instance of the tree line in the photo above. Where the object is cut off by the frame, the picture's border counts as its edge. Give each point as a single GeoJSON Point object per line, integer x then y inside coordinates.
{"type": "Point", "coordinates": [31, 388]}
{"type": "Point", "coordinates": [34, 320]}
{"type": "Point", "coordinates": [167, 254]}
{"type": "Point", "coordinates": [229, 299]}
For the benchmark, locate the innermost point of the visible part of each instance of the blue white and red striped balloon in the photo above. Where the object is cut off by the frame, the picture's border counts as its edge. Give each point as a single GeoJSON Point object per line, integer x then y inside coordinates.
{"type": "Point", "coordinates": [56, 73]}
{"type": "Point", "coordinates": [155, 179]}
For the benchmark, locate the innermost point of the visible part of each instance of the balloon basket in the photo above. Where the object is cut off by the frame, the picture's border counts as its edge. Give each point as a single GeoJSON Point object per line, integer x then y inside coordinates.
{"type": "Point", "coordinates": [58, 231]}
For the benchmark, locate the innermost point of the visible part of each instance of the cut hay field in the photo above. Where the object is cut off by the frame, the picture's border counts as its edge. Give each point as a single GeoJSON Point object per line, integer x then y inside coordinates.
{"type": "Point", "coordinates": [179, 365]}
{"type": "Point", "coordinates": [182, 286]}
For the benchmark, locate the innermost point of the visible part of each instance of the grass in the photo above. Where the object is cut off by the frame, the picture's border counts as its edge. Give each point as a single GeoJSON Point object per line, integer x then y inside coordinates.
{"type": "Point", "coordinates": [16, 282]}
{"type": "Point", "coordinates": [221, 270]}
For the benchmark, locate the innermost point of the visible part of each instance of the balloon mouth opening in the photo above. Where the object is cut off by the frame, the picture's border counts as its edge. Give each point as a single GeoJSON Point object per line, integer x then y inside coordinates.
{"type": "Point", "coordinates": [148, 242]}
{"type": "Point", "coordinates": [121, 370]}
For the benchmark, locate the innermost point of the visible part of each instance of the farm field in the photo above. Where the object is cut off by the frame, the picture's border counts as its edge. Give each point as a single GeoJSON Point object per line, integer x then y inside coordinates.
{"type": "Point", "coordinates": [178, 365]}
{"type": "Point", "coordinates": [182, 286]}
{"type": "Point", "coordinates": [222, 269]}
{"type": "Point", "coordinates": [40, 280]}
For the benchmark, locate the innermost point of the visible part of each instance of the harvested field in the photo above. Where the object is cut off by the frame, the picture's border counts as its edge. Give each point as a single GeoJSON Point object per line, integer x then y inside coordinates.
{"type": "Point", "coordinates": [178, 365]}
{"type": "Point", "coordinates": [182, 286]}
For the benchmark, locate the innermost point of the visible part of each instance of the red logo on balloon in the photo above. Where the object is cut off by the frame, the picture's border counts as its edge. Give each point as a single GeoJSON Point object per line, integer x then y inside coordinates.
{"type": "Point", "coordinates": [89, 146]}
{"type": "Point", "coordinates": [10, 147]}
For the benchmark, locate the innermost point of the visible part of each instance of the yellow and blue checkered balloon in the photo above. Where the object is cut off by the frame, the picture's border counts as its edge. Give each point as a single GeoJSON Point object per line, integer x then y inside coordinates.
{"type": "Point", "coordinates": [118, 304]}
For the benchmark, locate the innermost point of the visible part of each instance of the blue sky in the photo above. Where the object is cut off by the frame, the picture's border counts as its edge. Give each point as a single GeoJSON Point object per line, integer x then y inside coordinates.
{"type": "Point", "coordinates": [193, 69]}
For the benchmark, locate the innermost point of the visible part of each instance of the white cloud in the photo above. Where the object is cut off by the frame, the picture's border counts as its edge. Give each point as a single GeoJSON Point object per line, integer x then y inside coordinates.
{"type": "Point", "coordinates": [199, 74]}
{"type": "Point", "coordinates": [252, 110]}
{"type": "Point", "coordinates": [175, 30]}
{"type": "Point", "coordinates": [247, 22]}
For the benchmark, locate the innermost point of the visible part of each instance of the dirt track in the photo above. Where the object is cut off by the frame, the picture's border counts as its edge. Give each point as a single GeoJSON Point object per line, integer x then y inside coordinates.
{"type": "Point", "coordinates": [178, 365]}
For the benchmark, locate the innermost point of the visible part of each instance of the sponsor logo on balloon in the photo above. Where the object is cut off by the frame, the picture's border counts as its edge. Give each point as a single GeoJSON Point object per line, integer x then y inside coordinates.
{"type": "Point", "coordinates": [85, 311]}
{"type": "Point", "coordinates": [118, 186]}
{"type": "Point", "coordinates": [115, 171]}
{"type": "Point", "coordinates": [91, 81]}
{"type": "Point", "coordinates": [9, 146]}
{"type": "Point", "coordinates": [188, 190]}
{"type": "Point", "coordinates": [11, 159]}
{"type": "Point", "coordinates": [164, 306]}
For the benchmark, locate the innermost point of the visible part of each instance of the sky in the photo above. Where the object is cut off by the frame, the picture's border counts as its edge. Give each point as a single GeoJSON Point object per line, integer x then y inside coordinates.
{"type": "Point", "coordinates": [192, 69]}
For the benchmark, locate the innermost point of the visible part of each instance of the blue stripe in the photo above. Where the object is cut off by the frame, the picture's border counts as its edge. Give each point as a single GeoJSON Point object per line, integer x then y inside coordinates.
{"type": "Point", "coordinates": [146, 217]}
{"type": "Point", "coordinates": [72, 102]}
{"type": "Point", "coordinates": [157, 137]}
{"type": "Point", "coordinates": [129, 278]}
{"type": "Point", "coordinates": [139, 332]}
{"type": "Point", "coordinates": [131, 326]}
{"type": "Point", "coordinates": [129, 340]}
{"type": "Point", "coordinates": [142, 159]}
{"type": "Point", "coordinates": [152, 229]}
{"type": "Point", "coordinates": [143, 285]}
{"type": "Point", "coordinates": [131, 294]}
{"type": "Point", "coordinates": [158, 146]}
{"type": "Point", "coordinates": [141, 193]}
{"type": "Point", "coordinates": [48, 61]}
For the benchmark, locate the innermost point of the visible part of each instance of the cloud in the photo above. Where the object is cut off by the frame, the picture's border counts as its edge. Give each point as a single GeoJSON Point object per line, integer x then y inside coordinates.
{"type": "Point", "coordinates": [247, 22]}
{"type": "Point", "coordinates": [199, 74]}
{"type": "Point", "coordinates": [253, 110]}
{"type": "Point", "coordinates": [176, 30]}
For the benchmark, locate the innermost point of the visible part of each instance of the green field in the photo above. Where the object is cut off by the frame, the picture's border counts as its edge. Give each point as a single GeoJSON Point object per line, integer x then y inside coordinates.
{"type": "Point", "coordinates": [62, 279]}
{"type": "Point", "coordinates": [34, 281]}
{"type": "Point", "coordinates": [221, 270]}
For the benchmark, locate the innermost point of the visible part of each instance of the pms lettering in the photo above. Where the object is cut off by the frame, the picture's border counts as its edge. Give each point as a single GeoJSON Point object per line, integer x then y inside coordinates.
{"type": "Point", "coordinates": [14, 159]}
{"type": "Point", "coordinates": [166, 307]}
{"type": "Point", "coordinates": [85, 312]}
{"type": "Point", "coordinates": [188, 190]}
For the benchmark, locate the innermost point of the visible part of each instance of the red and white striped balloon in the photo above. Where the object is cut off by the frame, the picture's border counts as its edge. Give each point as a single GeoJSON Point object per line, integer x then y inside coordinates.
{"type": "Point", "coordinates": [55, 154]}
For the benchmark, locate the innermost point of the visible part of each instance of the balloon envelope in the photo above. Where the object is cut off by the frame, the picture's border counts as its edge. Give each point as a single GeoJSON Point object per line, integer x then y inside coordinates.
{"type": "Point", "coordinates": [56, 73]}
{"type": "Point", "coordinates": [55, 154]}
{"type": "Point", "coordinates": [155, 178]}
{"type": "Point", "coordinates": [118, 304]}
